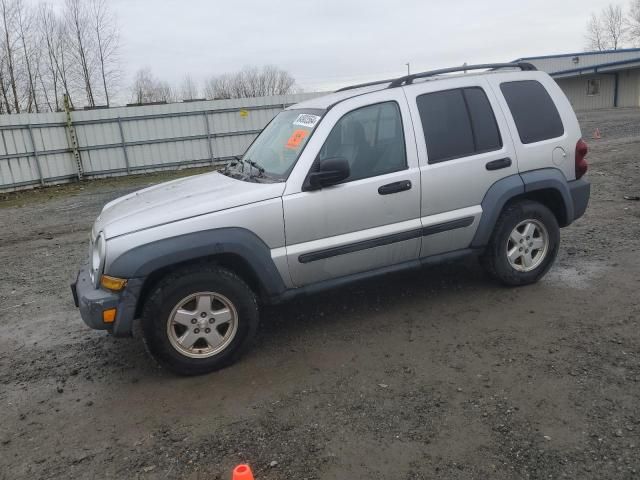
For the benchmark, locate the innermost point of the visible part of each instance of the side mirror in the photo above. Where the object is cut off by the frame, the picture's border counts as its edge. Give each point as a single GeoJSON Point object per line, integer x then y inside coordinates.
{"type": "Point", "coordinates": [330, 171]}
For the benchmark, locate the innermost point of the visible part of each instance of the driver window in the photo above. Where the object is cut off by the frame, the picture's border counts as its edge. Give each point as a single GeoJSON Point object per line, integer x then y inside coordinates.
{"type": "Point", "coordinates": [371, 139]}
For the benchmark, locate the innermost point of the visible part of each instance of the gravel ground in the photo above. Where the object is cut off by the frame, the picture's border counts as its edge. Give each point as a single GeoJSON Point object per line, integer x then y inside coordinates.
{"type": "Point", "coordinates": [435, 374]}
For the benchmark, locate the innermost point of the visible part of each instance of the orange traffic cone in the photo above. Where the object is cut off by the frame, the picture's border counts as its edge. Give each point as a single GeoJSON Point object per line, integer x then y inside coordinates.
{"type": "Point", "coordinates": [242, 472]}
{"type": "Point", "coordinates": [596, 134]}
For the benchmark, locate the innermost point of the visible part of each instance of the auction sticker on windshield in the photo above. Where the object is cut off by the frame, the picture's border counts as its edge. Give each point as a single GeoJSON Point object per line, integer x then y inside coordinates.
{"type": "Point", "coordinates": [296, 138]}
{"type": "Point", "coordinates": [306, 120]}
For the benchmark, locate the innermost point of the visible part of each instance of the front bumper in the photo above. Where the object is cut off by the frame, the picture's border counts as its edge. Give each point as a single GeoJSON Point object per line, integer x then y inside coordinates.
{"type": "Point", "coordinates": [93, 301]}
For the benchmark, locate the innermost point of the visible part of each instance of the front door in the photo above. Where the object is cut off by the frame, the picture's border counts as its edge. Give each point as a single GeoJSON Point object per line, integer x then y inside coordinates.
{"type": "Point", "coordinates": [370, 220]}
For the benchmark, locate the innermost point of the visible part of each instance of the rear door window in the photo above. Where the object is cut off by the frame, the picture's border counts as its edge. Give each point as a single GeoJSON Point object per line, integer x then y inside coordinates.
{"type": "Point", "coordinates": [485, 129]}
{"type": "Point", "coordinates": [533, 111]}
{"type": "Point", "coordinates": [458, 123]}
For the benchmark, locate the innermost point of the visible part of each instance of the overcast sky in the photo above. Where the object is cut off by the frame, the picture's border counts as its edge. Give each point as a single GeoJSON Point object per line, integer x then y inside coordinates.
{"type": "Point", "coordinates": [328, 43]}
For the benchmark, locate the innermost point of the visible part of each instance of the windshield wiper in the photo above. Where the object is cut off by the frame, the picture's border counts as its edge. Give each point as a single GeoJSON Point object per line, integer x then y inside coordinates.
{"type": "Point", "coordinates": [252, 164]}
{"type": "Point", "coordinates": [256, 166]}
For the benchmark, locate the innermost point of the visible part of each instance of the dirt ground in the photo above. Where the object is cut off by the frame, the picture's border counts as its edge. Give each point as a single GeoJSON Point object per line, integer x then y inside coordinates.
{"type": "Point", "coordinates": [436, 374]}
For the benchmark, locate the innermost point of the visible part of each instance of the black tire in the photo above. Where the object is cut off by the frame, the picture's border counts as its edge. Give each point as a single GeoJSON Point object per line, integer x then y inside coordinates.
{"type": "Point", "coordinates": [179, 285]}
{"type": "Point", "coordinates": [494, 259]}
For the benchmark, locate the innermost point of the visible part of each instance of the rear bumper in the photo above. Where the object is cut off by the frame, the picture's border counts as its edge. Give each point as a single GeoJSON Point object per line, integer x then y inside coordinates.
{"type": "Point", "coordinates": [93, 301]}
{"type": "Point", "coordinates": [580, 191]}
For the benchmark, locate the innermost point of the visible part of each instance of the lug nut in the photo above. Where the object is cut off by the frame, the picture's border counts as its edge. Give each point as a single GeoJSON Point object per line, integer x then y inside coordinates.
{"type": "Point", "coordinates": [207, 330]}
{"type": "Point", "coordinates": [193, 320]}
{"type": "Point", "coordinates": [203, 314]}
{"type": "Point", "coordinates": [197, 330]}
{"type": "Point", "coordinates": [526, 251]}
{"type": "Point", "coordinates": [211, 320]}
{"type": "Point", "coordinates": [520, 249]}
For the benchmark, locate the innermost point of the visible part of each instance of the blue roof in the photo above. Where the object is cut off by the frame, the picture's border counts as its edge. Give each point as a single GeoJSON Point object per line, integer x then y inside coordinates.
{"type": "Point", "coordinates": [596, 67]}
{"type": "Point", "coordinates": [579, 54]}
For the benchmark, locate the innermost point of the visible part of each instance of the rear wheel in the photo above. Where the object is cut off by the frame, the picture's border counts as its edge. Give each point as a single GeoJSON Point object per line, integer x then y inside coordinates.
{"type": "Point", "coordinates": [198, 320]}
{"type": "Point", "coordinates": [524, 244]}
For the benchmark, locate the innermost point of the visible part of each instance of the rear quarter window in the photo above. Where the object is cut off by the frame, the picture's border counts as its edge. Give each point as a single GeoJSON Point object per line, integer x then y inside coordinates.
{"type": "Point", "coordinates": [533, 111]}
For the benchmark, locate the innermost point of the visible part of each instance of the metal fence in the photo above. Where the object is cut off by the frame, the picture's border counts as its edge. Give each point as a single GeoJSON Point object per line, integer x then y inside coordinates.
{"type": "Point", "coordinates": [40, 149]}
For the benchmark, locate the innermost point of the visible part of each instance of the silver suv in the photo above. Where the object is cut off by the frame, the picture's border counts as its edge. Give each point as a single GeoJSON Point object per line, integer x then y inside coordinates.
{"type": "Point", "coordinates": [368, 180]}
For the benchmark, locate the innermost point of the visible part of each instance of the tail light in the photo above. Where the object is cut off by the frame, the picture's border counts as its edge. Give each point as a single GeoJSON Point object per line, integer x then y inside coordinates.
{"type": "Point", "coordinates": [581, 163]}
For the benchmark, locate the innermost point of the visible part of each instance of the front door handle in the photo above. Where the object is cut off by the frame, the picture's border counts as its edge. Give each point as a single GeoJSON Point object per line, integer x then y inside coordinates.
{"type": "Point", "coordinates": [395, 187]}
{"type": "Point", "coordinates": [498, 164]}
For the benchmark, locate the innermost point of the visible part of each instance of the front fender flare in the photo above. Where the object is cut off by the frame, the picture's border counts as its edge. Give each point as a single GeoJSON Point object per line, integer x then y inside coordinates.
{"type": "Point", "coordinates": [143, 260]}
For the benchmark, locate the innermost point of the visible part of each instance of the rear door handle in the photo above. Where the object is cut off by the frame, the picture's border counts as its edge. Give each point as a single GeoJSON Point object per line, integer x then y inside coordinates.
{"type": "Point", "coordinates": [498, 164]}
{"type": "Point", "coordinates": [395, 187]}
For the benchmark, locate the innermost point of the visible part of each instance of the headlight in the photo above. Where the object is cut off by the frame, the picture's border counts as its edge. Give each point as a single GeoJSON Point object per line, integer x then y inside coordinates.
{"type": "Point", "coordinates": [98, 253]}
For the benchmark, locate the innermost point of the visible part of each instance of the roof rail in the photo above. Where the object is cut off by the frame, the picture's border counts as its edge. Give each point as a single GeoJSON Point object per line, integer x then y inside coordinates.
{"type": "Point", "coordinates": [368, 84]}
{"type": "Point", "coordinates": [408, 79]}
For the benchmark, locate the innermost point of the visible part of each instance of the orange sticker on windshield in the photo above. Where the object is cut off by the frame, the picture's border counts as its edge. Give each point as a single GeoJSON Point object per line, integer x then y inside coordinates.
{"type": "Point", "coordinates": [296, 139]}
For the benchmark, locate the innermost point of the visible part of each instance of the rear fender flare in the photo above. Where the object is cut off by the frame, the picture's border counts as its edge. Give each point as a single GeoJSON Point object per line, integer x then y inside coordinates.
{"type": "Point", "coordinates": [508, 188]}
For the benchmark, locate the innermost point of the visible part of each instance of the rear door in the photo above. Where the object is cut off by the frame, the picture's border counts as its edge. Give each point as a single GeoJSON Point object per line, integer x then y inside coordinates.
{"type": "Point", "coordinates": [464, 147]}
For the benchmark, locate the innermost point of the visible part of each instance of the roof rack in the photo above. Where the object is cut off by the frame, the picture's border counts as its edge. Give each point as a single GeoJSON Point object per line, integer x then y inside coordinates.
{"type": "Point", "coordinates": [408, 79]}
{"type": "Point", "coordinates": [368, 84]}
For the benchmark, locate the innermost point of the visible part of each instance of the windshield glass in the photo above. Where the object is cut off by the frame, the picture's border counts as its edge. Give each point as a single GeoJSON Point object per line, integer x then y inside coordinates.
{"type": "Point", "coordinates": [278, 146]}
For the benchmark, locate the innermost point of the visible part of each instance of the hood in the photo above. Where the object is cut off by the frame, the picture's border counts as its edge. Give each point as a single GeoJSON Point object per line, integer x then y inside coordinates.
{"type": "Point", "coordinates": [180, 199]}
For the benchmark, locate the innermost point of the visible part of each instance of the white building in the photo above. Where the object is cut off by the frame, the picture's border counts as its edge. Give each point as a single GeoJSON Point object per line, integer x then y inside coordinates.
{"type": "Point", "coordinates": [595, 79]}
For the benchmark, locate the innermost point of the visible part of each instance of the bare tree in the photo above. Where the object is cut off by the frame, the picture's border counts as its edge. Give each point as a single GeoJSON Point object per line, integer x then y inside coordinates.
{"type": "Point", "coordinates": [147, 89]}
{"type": "Point", "coordinates": [595, 36]}
{"type": "Point", "coordinates": [250, 82]}
{"type": "Point", "coordinates": [5, 105]}
{"type": "Point", "coordinates": [219, 87]}
{"type": "Point", "coordinates": [614, 25]}
{"type": "Point", "coordinates": [79, 25]}
{"type": "Point", "coordinates": [46, 52]}
{"type": "Point", "coordinates": [165, 92]}
{"type": "Point", "coordinates": [23, 22]}
{"type": "Point", "coordinates": [44, 86]}
{"type": "Point", "coordinates": [606, 31]}
{"type": "Point", "coordinates": [7, 11]}
{"type": "Point", "coordinates": [142, 88]}
{"type": "Point", "coordinates": [47, 24]}
{"type": "Point", "coordinates": [106, 36]}
{"type": "Point", "coordinates": [188, 88]}
{"type": "Point", "coordinates": [63, 58]}
{"type": "Point", "coordinates": [633, 22]}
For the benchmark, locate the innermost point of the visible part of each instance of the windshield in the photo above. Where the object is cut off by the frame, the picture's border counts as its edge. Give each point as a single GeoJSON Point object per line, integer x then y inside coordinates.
{"type": "Point", "coordinates": [277, 148]}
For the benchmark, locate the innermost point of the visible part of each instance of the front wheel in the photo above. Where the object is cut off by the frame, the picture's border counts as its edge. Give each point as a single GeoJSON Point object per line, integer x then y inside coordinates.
{"type": "Point", "coordinates": [199, 319]}
{"type": "Point", "coordinates": [524, 244]}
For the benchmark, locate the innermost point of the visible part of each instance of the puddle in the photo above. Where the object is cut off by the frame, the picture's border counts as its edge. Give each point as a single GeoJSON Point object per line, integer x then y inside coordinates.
{"type": "Point", "coordinates": [580, 277]}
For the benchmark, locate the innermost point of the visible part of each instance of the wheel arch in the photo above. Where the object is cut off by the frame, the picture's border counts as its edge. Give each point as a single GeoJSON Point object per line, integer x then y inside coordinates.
{"type": "Point", "coordinates": [230, 261]}
{"type": "Point", "coordinates": [234, 248]}
{"type": "Point", "coordinates": [547, 186]}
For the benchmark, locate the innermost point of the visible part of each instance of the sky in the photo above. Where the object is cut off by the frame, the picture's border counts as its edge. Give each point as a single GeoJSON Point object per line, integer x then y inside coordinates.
{"type": "Point", "coordinates": [325, 44]}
